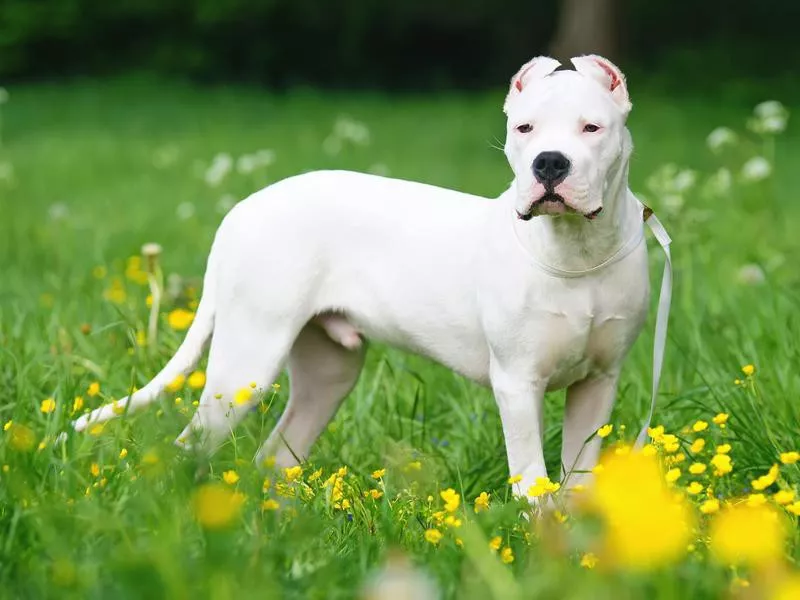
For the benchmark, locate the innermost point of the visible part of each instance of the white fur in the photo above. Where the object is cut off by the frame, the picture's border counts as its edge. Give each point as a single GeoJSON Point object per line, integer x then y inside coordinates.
{"type": "Point", "coordinates": [301, 270]}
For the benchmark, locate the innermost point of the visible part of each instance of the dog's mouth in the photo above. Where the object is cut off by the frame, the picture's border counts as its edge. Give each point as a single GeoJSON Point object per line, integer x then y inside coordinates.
{"type": "Point", "coordinates": [552, 203]}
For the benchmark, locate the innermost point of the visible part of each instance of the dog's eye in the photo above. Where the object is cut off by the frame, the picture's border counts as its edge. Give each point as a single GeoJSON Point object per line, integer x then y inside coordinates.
{"type": "Point", "coordinates": [591, 128]}
{"type": "Point", "coordinates": [525, 128]}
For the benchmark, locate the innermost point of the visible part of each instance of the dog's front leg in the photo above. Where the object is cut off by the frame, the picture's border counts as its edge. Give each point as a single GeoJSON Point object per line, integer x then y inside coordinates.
{"type": "Point", "coordinates": [588, 407]}
{"type": "Point", "coordinates": [520, 402]}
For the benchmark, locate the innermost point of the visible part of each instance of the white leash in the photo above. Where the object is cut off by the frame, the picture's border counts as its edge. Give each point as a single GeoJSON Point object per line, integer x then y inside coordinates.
{"type": "Point", "coordinates": [662, 316]}
{"type": "Point", "coordinates": [664, 299]}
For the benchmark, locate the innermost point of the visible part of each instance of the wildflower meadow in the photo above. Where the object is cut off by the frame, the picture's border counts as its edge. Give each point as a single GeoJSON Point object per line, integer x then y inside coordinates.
{"type": "Point", "coordinates": [110, 194]}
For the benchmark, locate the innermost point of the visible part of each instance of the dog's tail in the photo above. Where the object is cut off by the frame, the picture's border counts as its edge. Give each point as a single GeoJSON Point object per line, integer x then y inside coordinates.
{"type": "Point", "coordinates": [184, 360]}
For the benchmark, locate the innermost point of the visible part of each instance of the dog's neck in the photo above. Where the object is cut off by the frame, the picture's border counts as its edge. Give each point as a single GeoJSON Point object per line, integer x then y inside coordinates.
{"type": "Point", "coordinates": [575, 243]}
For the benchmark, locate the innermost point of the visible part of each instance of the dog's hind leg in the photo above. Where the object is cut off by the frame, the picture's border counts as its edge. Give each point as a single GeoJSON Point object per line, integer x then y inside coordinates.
{"type": "Point", "coordinates": [247, 353]}
{"type": "Point", "coordinates": [321, 373]}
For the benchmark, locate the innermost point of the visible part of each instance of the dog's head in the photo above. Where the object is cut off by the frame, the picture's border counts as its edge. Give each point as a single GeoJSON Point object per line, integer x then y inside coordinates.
{"type": "Point", "coordinates": [566, 131]}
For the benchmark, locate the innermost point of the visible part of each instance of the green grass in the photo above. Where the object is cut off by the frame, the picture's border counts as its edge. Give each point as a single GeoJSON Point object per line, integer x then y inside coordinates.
{"type": "Point", "coordinates": [85, 192]}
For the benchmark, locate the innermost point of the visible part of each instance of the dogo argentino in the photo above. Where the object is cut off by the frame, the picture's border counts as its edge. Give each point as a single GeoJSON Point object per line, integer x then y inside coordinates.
{"type": "Point", "coordinates": [545, 287]}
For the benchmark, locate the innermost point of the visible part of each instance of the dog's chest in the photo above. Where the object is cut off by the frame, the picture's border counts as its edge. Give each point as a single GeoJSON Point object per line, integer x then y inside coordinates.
{"type": "Point", "coordinates": [586, 331]}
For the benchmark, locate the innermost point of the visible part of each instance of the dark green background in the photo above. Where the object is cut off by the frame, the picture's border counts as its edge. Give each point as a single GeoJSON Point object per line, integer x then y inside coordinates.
{"type": "Point", "coordinates": [407, 44]}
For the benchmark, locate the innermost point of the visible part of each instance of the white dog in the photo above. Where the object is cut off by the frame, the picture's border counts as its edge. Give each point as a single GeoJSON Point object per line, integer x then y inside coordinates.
{"type": "Point", "coordinates": [301, 270]}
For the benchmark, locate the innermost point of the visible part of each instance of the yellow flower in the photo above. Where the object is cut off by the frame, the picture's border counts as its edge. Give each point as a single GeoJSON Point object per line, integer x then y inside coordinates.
{"type": "Point", "coordinates": [375, 494]}
{"type": "Point", "coordinates": [48, 405]}
{"type": "Point", "coordinates": [451, 499]}
{"type": "Point", "coordinates": [176, 384]}
{"type": "Point", "coordinates": [747, 535]}
{"type": "Point", "coordinates": [767, 480]}
{"type": "Point", "coordinates": [649, 450]}
{"type": "Point", "coordinates": [605, 431]}
{"type": "Point", "coordinates": [21, 438]}
{"type": "Point", "coordinates": [243, 396]}
{"type": "Point", "coordinates": [543, 486]}
{"type": "Point", "coordinates": [506, 555]}
{"type": "Point", "coordinates": [748, 370]}
{"type": "Point", "coordinates": [709, 506]}
{"type": "Point", "coordinates": [315, 475]}
{"type": "Point", "coordinates": [197, 380]}
{"type": "Point", "coordinates": [783, 497]}
{"type": "Point", "coordinates": [789, 458]}
{"type": "Point", "coordinates": [452, 521]}
{"type": "Point", "coordinates": [514, 479]}
{"type": "Point", "coordinates": [723, 449]}
{"type": "Point", "coordinates": [230, 477]}
{"type": "Point", "coordinates": [670, 443]}
{"type": "Point", "coordinates": [8, 425]}
{"type": "Point", "coordinates": [482, 502]}
{"type": "Point", "coordinates": [720, 419]}
{"type": "Point", "coordinates": [115, 292]}
{"type": "Point", "coordinates": [694, 488]}
{"type": "Point", "coordinates": [180, 319]}
{"type": "Point", "coordinates": [123, 453]}
{"type": "Point", "coordinates": [77, 404]}
{"type": "Point", "coordinates": [699, 426]}
{"type": "Point", "coordinates": [672, 475]}
{"type": "Point", "coordinates": [656, 433]}
{"type": "Point", "coordinates": [756, 500]}
{"type": "Point", "coordinates": [589, 560]}
{"type": "Point", "coordinates": [414, 466]}
{"type": "Point", "coordinates": [697, 445]}
{"type": "Point", "coordinates": [96, 429]}
{"type": "Point", "coordinates": [293, 473]}
{"type": "Point", "coordinates": [94, 469]}
{"type": "Point", "coordinates": [646, 524]}
{"type": "Point", "coordinates": [433, 536]}
{"type": "Point", "coordinates": [148, 302]}
{"type": "Point", "coordinates": [495, 543]}
{"type": "Point", "coordinates": [270, 504]}
{"type": "Point", "coordinates": [722, 464]}
{"type": "Point", "coordinates": [93, 389]}
{"type": "Point", "coordinates": [697, 468]}
{"type": "Point", "coordinates": [794, 508]}
{"type": "Point", "coordinates": [216, 506]}
{"type": "Point", "coordinates": [378, 474]}
{"type": "Point", "coordinates": [788, 589]}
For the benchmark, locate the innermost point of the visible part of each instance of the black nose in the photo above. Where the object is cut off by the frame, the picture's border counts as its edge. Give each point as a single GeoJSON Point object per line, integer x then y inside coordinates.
{"type": "Point", "coordinates": [550, 168]}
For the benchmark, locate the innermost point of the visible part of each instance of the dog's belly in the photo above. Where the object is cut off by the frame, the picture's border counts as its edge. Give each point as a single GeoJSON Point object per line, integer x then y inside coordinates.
{"type": "Point", "coordinates": [462, 349]}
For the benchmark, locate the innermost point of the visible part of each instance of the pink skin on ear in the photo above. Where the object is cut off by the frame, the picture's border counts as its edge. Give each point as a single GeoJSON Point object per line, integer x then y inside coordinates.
{"type": "Point", "coordinates": [615, 80]}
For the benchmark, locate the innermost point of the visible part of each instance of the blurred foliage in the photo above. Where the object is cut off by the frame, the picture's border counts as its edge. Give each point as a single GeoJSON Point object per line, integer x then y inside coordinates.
{"type": "Point", "coordinates": [413, 44]}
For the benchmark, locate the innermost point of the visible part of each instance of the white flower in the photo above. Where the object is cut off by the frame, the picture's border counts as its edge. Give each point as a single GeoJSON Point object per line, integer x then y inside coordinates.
{"type": "Point", "coordinates": [220, 166]}
{"type": "Point", "coordinates": [750, 274]}
{"type": "Point", "coordinates": [672, 202]}
{"type": "Point", "coordinates": [185, 211]}
{"type": "Point", "coordinates": [264, 158]}
{"type": "Point", "coordinates": [379, 169]}
{"type": "Point", "coordinates": [58, 211]}
{"type": "Point", "coordinates": [770, 108]}
{"type": "Point", "coordinates": [3, 95]}
{"type": "Point", "coordinates": [151, 249]}
{"type": "Point", "coordinates": [720, 137]}
{"type": "Point", "coordinates": [684, 180]}
{"type": "Point", "coordinates": [245, 164]}
{"type": "Point", "coordinates": [225, 203]}
{"type": "Point", "coordinates": [774, 124]}
{"type": "Point", "coordinates": [756, 169]}
{"type": "Point", "coordinates": [720, 182]}
{"type": "Point", "coordinates": [353, 131]}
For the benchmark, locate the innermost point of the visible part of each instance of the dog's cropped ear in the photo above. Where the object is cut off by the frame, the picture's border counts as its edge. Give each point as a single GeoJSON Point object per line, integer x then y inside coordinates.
{"type": "Point", "coordinates": [608, 75]}
{"type": "Point", "coordinates": [536, 68]}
